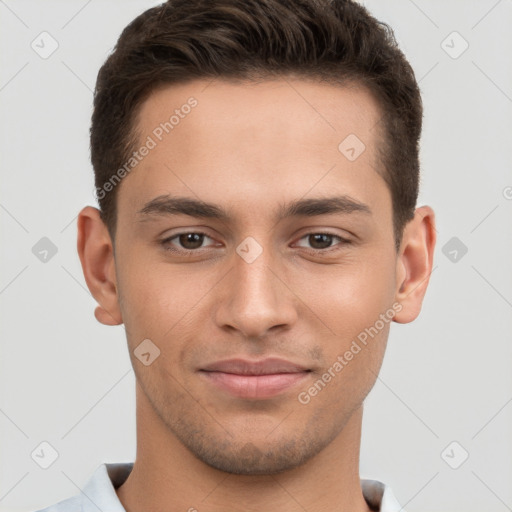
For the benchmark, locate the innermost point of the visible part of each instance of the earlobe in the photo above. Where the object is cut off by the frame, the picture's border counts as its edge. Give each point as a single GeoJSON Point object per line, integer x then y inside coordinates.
{"type": "Point", "coordinates": [97, 258]}
{"type": "Point", "coordinates": [106, 318]}
{"type": "Point", "coordinates": [414, 264]}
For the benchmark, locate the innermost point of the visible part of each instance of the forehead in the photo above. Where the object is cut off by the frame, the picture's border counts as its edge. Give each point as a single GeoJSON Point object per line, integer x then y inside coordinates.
{"type": "Point", "coordinates": [296, 110]}
{"type": "Point", "coordinates": [251, 142]}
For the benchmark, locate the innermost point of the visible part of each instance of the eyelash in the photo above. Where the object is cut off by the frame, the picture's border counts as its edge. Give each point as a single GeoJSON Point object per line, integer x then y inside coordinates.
{"type": "Point", "coordinates": [190, 252]}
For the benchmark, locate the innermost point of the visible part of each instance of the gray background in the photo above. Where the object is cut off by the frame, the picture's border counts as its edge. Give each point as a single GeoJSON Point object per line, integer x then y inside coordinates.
{"type": "Point", "coordinates": [67, 380]}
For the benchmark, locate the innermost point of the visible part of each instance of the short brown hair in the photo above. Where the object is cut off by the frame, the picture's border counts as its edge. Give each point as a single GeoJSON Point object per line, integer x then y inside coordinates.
{"type": "Point", "coordinates": [334, 41]}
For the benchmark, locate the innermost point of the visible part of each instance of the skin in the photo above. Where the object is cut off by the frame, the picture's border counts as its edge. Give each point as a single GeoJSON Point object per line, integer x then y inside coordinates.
{"type": "Point", "coordinates": [251, 148]}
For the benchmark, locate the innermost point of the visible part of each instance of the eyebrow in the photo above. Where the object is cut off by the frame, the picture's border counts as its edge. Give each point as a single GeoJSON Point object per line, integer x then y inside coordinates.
{"type": "Point", "coordinates": [167, 205]}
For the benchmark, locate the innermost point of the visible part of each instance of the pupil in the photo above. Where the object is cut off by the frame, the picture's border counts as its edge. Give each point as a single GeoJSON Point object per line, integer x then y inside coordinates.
{"type": "Point", "coordinates": [195, 239]}
{"type": "Point", "coordinates": [325, 240]}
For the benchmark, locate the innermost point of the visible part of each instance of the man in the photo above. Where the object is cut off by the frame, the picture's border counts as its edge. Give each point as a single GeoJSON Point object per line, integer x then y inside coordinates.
{"type": "Point", "coordinates": [256, 168]}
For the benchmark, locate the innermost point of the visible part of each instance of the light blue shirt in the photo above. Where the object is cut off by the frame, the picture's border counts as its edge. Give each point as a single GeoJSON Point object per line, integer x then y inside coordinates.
{"type": "Point", "coordinates": [99, 493]}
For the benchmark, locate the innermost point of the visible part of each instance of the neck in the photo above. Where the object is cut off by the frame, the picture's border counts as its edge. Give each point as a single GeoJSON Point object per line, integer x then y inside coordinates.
{"type": "Point", "coordinates": [167, 476]}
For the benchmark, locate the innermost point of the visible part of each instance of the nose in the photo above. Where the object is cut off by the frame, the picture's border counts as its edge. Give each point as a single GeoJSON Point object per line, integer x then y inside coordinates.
{"type": "Point", "coordinates": [255, 297]}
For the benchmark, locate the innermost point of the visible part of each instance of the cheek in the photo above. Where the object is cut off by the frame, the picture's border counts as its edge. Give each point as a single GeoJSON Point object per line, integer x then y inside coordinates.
{"type": "Point", "coordinates": [356, 303]}
{"type": "Point", "coordinates": [144, 295]}
{"type": "Point", "coordinates": [158, 300]}
{"type": "Point", "coordinates": [349, 297]}
{"type": "Point", "coordinates": [352, 363]}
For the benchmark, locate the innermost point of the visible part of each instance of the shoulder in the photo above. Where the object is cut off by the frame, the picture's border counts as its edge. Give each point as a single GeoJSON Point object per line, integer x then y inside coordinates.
{"type": "Point", "coordinates": [99, 493]}
{"type": "Point", "coordinates": [72, 504]}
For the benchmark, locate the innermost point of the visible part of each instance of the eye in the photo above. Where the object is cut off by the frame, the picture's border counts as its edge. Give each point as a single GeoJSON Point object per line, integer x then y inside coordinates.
{"type": "Point", "coordinates": [190, 241]}
{"type": "Point", "coordinates": [186, 242]}
{"type": "Point", "coordinates": [323, 241]}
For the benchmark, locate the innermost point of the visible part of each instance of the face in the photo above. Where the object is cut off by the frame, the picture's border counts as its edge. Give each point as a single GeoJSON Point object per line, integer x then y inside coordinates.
{"type": "Point", "coordinates": [256, 295]}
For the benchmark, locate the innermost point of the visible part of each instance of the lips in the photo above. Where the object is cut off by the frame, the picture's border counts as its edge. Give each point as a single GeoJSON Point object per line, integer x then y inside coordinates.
{"type": "Point", "coordinates": [267, 366]}
{"type": "Point", "coordinates": [254, 379]}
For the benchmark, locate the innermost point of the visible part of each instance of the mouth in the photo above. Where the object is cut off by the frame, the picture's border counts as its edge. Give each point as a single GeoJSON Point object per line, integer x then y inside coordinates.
{"type": "Point", "coordinates": [247, 379]}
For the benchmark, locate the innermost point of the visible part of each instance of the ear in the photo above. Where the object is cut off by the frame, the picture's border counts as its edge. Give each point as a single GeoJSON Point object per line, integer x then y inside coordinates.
{"type": "Point", "coordinates": [96, 254]}
{"type": "Point", "coordinates": [414, 264]}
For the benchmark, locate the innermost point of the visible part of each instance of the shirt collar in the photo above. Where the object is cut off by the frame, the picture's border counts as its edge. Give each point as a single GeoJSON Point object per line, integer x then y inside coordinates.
{"type": "Point", "coordinates": [99, 492]}
{"type": "Point", "coordinates": [380, 496]}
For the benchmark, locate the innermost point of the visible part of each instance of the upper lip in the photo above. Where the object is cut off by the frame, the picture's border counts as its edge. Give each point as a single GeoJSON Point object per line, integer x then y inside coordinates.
{"type": "Point", "coordinates": [269, 366]}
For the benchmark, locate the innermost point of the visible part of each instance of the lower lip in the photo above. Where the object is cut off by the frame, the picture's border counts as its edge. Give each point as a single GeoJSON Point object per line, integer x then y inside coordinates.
{"type": "Point", "coordinates": [255, 386]}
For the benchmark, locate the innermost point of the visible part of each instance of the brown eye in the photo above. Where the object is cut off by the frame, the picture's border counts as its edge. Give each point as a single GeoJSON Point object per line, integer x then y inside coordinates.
{"type": "Point", "coordinates": [186, 242]}
{"type": "Point", "coordinates": [320, 240]}
{"type": "Point", "coordinates": [323, 242]}
{"type": "Point", "coordinates": [191, 240]}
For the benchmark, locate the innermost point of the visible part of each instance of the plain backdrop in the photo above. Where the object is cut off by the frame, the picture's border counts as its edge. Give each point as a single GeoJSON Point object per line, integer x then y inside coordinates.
{"type": "Point", "coordinates": [437, 425]}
